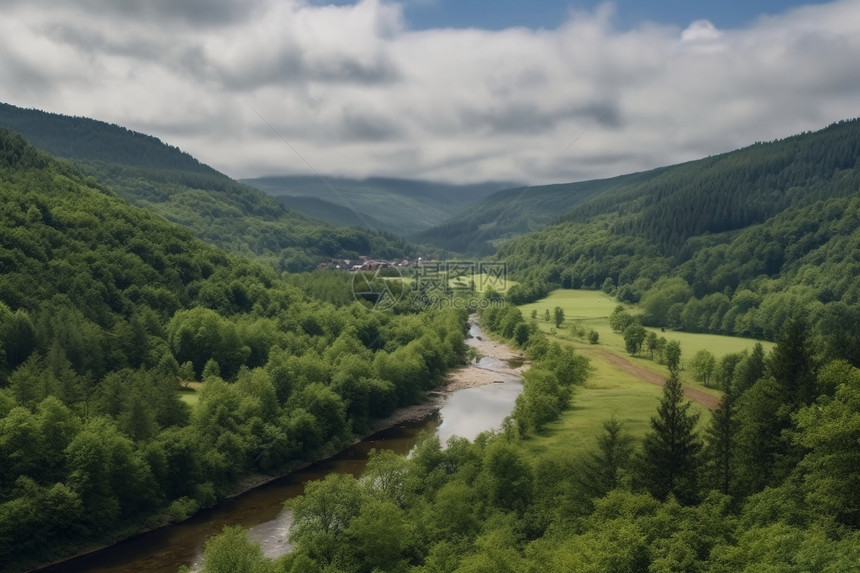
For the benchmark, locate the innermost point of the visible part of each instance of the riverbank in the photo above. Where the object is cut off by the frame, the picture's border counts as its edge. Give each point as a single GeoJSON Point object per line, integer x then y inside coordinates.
{"type": "Point", "coordinates": [503, 360]}
{"type": "Point", "coordinates": [495, 358]}
{"type": "Point", "coordinates": [163, 545]}
{"type": "Point", "coordinates": [412, 413]}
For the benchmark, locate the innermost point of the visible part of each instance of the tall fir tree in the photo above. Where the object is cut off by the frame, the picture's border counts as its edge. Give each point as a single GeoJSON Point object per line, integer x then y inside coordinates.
{"type": "Point", "coordinates": [719, 446]}
{"type": "Point", "coordinates": [671, 449]}
{"type": "Point", "coordinates": [765, 448]}
{"type": "Point", "coordinates": [793, 366]}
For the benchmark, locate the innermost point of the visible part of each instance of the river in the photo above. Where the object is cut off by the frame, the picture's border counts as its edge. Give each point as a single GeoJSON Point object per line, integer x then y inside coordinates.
{"type": "Point", "coordinates": [478, 398]}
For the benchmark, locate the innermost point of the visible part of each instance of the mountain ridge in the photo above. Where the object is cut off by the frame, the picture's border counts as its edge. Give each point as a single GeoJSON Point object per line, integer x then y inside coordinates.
{"type": "Point", "coordinates": [480, 228]}
{"type": "Point", "coordinates": [752, 240]}
{"type": "Point", "coordinates": [241, 219]}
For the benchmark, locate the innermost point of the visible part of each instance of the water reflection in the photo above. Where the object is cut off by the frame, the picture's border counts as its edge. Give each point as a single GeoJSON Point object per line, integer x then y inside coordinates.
{"type": "Point", "coordinates": [469, 412]}
{"type": "Point", "coordinates": [261, 511]}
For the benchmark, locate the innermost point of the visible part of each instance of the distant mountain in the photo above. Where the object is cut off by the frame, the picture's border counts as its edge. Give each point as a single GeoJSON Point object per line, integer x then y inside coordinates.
{"type": "Point", "coordinates": [151, 174]}
{"type": "Point", "coordinates": [401, 206]}
{"type": "Point", "coordinates": [480, 227]}
{"type": "Point", "coordinates": [329, 212]}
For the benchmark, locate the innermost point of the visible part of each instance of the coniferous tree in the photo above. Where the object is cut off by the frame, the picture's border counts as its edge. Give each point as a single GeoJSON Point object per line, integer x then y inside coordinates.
{"type": "Point", "coordinates": [792, 365]}
{"type": "Point", "coordinates": [671, 449]}
{"type": "Point", "coordinates": [748, 370]}
{"type": "Point", "coordinates": [766, 450]}
{"type": "Point", "coordinates": [605, 467]}
{"type": "Point", "coordinates": [719, 445]}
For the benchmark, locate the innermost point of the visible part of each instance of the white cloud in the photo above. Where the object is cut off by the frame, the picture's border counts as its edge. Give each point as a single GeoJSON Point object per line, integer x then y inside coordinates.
{"type": "Point", "coordinates": [700, 31]}
{"type": "Point", "coordinates": [357, 92]}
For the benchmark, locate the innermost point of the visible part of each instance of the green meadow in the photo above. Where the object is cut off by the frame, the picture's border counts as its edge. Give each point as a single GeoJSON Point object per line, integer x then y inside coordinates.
{"type": "Point", "coordinates": [611, 391]}
{"type": "Point", "coordinates": [190, 392]}
{"type": "Point", "coordinates": [433, 279]}
{"type": "Point", "coordinates": [591, 310]}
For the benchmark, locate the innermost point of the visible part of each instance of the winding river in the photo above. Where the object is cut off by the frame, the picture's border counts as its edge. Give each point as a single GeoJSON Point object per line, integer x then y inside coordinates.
{"type": "Point", "coordinates": [479, 397]}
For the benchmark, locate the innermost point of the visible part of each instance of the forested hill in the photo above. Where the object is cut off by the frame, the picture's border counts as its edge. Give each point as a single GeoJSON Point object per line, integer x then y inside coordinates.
{"type": "Point", "coordinates": [86, 139]}
{"type": "Point", "coordinates": [322, 210]}
{"type": "Point", "coordinates": [734, 244]}
{"type": "Point", "coordinates": [480, 227]}
{"type": "Point", "coordinates": [734, 190]}
{"type": "Point", "coordinates": [106, 308]}
{"type": "Point", "coordinates": [150, 174]}
{"type": "Point", "coordinates": [670, 204]}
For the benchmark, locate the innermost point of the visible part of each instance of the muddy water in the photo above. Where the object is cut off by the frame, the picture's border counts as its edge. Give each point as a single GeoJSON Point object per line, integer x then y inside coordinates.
{"type": "Point", "coordinates": [465, 412]}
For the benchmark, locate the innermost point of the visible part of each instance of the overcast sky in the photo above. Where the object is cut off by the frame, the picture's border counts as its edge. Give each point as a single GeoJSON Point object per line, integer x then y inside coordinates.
{"type": "Point", "coordinates": [466, 91]}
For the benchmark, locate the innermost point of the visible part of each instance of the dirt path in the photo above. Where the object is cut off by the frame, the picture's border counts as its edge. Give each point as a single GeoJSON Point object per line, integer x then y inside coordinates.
{"type": "Point", "coordinates": [708, 401]}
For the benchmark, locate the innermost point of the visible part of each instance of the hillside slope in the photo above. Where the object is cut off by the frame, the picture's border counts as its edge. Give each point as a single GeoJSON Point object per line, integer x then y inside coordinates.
{"type": "Point", "coordinates": [481, 227]}
{"type": "Point", "coordinates": [736, 244]}
{"type": "Point", "coordinates": [330, 213]}
{"type": "Point", "coordinates": [669, 204]}
{"type": "Point", "coordinates": [161, 178]}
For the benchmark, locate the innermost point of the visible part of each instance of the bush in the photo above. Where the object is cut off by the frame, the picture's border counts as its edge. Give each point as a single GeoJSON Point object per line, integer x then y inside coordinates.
{"type": "Point", "coordinates": [182, 509]}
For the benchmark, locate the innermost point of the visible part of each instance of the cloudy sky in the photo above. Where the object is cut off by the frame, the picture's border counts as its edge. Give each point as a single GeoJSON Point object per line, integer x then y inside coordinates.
{"type": "Point", "coordinates": [454, 90]}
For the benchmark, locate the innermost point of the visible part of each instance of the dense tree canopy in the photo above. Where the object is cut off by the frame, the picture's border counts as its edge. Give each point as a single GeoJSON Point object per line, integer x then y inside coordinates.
{"type": "Point", "coordinates": [107, 310]}
{"type": "Point", "coordinates": [659, 504]}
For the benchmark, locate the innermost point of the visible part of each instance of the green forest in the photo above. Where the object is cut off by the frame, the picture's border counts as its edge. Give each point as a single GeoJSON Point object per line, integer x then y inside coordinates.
{"type": "Point", "coordinates": [770, 484]}
{"type": "Point", "coordinates": [106, 310]}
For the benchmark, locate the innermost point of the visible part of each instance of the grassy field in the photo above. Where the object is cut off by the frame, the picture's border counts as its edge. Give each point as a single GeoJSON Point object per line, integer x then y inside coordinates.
{"type": "Point", "coordinates": [591, 310]}
{"type": "Point", "coordinates": [482, 280]}
{"type": "Point", "coordinates": [189, 393]}
{"type": "Point", "coordinates": [610, 390]}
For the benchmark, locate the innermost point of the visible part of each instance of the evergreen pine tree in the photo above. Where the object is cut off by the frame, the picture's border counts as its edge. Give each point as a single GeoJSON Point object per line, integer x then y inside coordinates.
{"type": "Point", "coordinates": [719, 442]}
{"type": "Point", "coordinates": [792, 365]}
{"type": "Point", "coordinates": [671, 448]}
